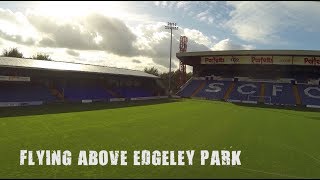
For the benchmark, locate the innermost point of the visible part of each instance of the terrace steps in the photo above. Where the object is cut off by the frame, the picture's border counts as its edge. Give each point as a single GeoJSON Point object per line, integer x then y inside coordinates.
{"type": "Point", "coordinates": [230, 89]}
{"type": "Point", "coordinates": [114, 94]}
{"type": "Point", "coordinates": [201, 86]}
{"type": "Point", "coordinates": [262, 92]}
{"type": "Point", "coordinates": [296, 94]}
{"type": "Point", "coordinates": [56, 93]}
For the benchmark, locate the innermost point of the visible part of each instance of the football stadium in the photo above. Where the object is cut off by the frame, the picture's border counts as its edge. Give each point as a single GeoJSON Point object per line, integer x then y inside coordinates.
{"type": "Point", "coordinates": [262, 102]}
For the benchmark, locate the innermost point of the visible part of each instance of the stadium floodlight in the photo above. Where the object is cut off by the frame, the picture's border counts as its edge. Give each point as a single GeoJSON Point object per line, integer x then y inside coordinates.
{"type": "Point", "coordinates": [171, 26]}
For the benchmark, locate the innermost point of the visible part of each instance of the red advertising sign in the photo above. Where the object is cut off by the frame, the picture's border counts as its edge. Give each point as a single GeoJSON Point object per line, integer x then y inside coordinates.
{"type": "Point", "coordinates": [312, 61]}
{"type": "Point", "coordinates": [261, 60]}
{"type": "Point", "coordinates": [213, 60]}
{"type": "Point", "coordinates": [307, 61]}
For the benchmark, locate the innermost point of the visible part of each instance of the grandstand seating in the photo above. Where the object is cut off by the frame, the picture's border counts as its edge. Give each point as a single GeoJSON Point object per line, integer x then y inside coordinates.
{"type": "Point", "coordinates": [131, 92]}
{"type": "Point", "coordinates": [246, 91]}
{"type": "Point", "coordinates": [280, 93]}
{"type": "Point", "coordinates": [24, 93]}
{"type": "Point", "coordinates": [214, 89]}
{"type": "Point", "coordinates": [76, 92]}
{"type": "Point", "coordinates": [268, 92]}
{"type": "Point", "coordinates": [310, 94]}
{"type": "Point", "coordinates": [192, 86]}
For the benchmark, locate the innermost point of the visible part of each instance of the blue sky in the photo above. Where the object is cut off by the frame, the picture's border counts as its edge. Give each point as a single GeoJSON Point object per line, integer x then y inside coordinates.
{"type": "Point", "coordinates": [132, 34]}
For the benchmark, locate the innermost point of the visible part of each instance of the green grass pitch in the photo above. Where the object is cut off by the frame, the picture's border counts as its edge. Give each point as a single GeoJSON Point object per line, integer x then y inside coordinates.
{"type": "Point", "coordinates": [274, 143]}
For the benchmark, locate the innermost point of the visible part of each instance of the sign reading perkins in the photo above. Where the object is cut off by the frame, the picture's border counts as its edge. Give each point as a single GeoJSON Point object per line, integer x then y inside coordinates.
{"type": "Point", "coordinates": [140, 158]}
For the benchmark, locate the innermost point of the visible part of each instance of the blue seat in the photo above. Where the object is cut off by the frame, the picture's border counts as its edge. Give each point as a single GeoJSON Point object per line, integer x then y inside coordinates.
{"type": "Point", "coordinates": [214, 89]}
{"type": "Point", "coordinates": [280, 93]}
{"type": "Point", "coordinates": [24, 92]}
{"type": "Point", "coordinates": [190, 88]}
{"type": "Point", "coordinates": [309, 94]}
{"type": "Point", "coordinates": [245, 91]}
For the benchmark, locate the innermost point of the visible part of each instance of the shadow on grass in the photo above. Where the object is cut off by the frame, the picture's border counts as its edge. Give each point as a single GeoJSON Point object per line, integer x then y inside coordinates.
{"type": "Point", "coordinates": [291, 108]}
{"type": "Point", "coordinates": [294, 108]}
{"type": "Point", "coordinates": [56, 108]}
{"type": "Point", "coordinates": [291, 112]}
{"type": "Point", "coordinates": [266, 106]}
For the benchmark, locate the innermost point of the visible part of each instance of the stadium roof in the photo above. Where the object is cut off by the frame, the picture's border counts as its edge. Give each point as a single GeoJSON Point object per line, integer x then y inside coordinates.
{"type": "Point", "coordinates": [192, 58]}
{"type": "Point", "coordinates": [66, 66]}
{"type": "Point", "coordinates": [250, 52]}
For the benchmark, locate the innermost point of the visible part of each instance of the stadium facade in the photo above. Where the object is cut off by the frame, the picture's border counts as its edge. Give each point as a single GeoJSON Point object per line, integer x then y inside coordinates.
{"type": "Point", "coordinates": [35, 82]}
{"type": "Point", "coordinates": [274, 77]}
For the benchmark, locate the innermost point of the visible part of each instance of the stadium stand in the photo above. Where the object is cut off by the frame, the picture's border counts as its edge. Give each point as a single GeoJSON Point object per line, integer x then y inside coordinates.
{"type": "Point", "coordinates": [11, 92]}
{"type": "Point", "coordinates": [190, 88]}
{"type": "Point", "coordinates": [280, 93]}
{"type": "Point", "coordinates": [76, 92]}
{"type": "Point", "coordinates": [253, 92]}
{"type": "Point", "coordinates": [310, 94]}
{"type": "Point", "coordinates": [245, 91]}
{"type": "Point", "coordinates": [131, 92]}
{"type": "Point", "coordinates": [214, 89]}
{"type": "Point", "coordinates": [276, 77]}
{"type": "Point", "coordinates": [35, 82]}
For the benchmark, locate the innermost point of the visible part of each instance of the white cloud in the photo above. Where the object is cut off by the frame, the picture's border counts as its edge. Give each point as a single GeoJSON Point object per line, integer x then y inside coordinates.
{"type": "Point", "coordinates": [155, 42]}
{"type": "Point", "coordinates": [205, 13]}
{"type": "Point", "coordinates": [263, 21]}
{"type": "Point", "coordinates": [184, 4]}
{"type": "Point", "coordinates": [136, 61]}
{"type": "Point", "coordinates": [171, 4]}
{"type": "Point", "coordinates": [198, 37]}
{"type": "Point", "coordinates": [92, 32]}
{"type": "Point", "coordinates": [100, 39]}
{"type": "Point", "coordinates": [214, 37]}
{"type": "Point", "coordinates": [205, 17]}
{"type": "Point", "coordinates": [157, 3]}
{"type": "Point", "coordinates": [72, 52]}
{"type": "Point", "coordinates": [11, 24]}
{"type": "Point", "coordinates": [191, 13]}
{"type": "Point", "coordinates": [227, 44]}
{"type": "Point", "coordinates": [97, 39]}
{"type": "Point", "coordinates": [164, 3]}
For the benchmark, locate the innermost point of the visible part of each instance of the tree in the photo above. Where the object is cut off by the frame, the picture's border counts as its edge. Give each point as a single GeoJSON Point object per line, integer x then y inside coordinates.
{"type": "Point", "coordinates": [175, 79]}
{"type": "Point", "coordinates": [13, 52]}
{"type": "Point", "coordinates": [41, 56]}
{"type": "Point", "coordinates": [188, 76]}
{"type": "Point", "coordinates": [152, 70]}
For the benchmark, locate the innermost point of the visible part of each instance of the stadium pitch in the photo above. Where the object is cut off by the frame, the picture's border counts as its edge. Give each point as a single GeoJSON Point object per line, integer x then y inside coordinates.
{"type": "Point", "coordinates": [274, 143]}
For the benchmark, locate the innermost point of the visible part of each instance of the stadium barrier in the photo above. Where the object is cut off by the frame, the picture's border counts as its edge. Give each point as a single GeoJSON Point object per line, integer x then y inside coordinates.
{"type": "Point", "coordinates": [234, 101]}
{"type": "Point", "coordinates": [313, 106]}
{"type": "Point", "coordinates": [117, 99]}
{"type": "Point", "coordinates": [198, 97]}
{"type": "Point", "coordinates": [250, 102]}
{"type": "Point", "coordinates": [175, 96]}
{"type": "Point", "coordinates": [285, 80]}
{"type": "Point", "coordinates": [8, 104]}
{"type": "Point", "coordinates": [242, 78]}
{"type": "Point", "coordinates": [198, 78]}
{"type": "Point", "coordinates": [314, 81]}
{"type": "Point", "coordinates": [86, 101]}
{"type": "Point", "coordinates": [185, 85]}
{"type": "Point", "coordinates": [148, 98]}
